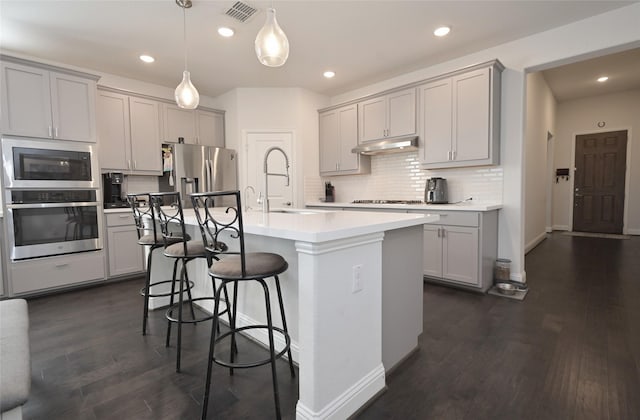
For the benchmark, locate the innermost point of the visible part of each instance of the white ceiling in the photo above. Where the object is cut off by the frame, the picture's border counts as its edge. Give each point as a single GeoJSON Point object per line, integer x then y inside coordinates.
{"type": "Point", "coordinates": [362, 41]}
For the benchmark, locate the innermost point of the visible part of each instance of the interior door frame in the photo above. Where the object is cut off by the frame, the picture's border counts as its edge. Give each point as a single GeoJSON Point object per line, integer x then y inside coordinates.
{"type": "Point", "coordinates": [627, 172]}
{"type": "Point", "coordinates": [244, 165]}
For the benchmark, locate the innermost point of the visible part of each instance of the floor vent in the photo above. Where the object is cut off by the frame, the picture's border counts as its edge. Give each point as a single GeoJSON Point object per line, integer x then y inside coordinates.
{"type": "Point", "coordinates": [241, 11]}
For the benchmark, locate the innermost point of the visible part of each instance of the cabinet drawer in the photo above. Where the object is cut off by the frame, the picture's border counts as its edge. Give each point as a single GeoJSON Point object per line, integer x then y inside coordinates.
{"type": "Point", "coordinates": [120, 219]}
{"type": "Point", "coordinates": [457, 218]}
{"type": "Point", "coordinates": [45, 273]}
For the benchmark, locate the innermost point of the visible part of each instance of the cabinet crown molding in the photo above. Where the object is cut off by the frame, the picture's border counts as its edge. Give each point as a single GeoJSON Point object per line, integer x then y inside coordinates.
{"type": "Point", "coordinates": [50, 67]}
{"type": "Point", "coordinates": [495, 63]}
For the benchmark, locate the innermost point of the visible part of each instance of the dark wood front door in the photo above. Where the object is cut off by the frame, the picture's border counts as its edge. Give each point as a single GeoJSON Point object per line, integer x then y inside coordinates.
{"type": "Point", "coordinates": [599, 182]}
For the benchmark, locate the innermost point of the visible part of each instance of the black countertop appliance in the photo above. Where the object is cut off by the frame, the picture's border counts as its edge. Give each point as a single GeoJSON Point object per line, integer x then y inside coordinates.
{"type": "Point", "coordinates": [112, 188]}
{"type": "Point", "coordinates": [435, 191]}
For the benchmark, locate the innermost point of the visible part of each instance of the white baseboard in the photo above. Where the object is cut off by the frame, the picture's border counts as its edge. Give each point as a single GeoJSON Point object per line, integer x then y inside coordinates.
{"type": "Point", "coordinates": [534, 242]}
{"type": "Point", "coordinates": [632, 232]}
{"type": "Point", "coordinates": [519, 277]}
{"type": "Point", "coordinates": [347, 403]}
{"type": "Point", "coordinates": [548, 229]}
{"type": "Point", "coordinates": [561, 227]}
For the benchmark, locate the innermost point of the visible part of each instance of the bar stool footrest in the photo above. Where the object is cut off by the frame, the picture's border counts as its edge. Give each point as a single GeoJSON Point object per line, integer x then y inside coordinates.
{"type": "Point", "coordinates": [237, 365]}
{"type": "Point", "coordinates": [143, 290]}
{"type": "Point", "coordinates": [171, 318]}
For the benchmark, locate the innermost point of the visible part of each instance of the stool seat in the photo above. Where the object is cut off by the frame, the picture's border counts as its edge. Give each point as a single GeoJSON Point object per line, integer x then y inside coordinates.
{"type": "Point", "coordinates": [194, 249]}
{"type": "Point", "coordinates": [258, 264]}
{"type": "Point", "coordinates": [157, 239]}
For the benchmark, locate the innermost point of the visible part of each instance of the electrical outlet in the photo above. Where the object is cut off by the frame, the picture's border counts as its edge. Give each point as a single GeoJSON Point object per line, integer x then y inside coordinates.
{"type": "Point", "coordinates": [356, 284]}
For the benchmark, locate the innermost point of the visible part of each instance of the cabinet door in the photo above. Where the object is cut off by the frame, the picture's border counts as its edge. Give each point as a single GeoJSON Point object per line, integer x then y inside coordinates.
{"type": "Point", "coordinates": [210, 128]}
{"type": "Point", "coordinates": [460, 254]}
{"type": "Point", "coordinates": [73, 102]}
{"type": "Point", "coordinates": [348, 134]}
{"type": "Point", "coordinates": [372, 116]}
{"type": "Point", "coordinates": [436, 109]}
{"type": "Point", "coordinates": [26, 101]}
{"type": "Point", "coordinates": [471, 116]}
{"type": "Point", "coordinates": [146, 152]}
{"type": "Point", "coordinates": [401, 113]}
{"type": "Point", "coordinates": [179, 122]}
{"type": "Point", "coordinates": [125, 255]}
{"type": "Point", "coordinates": [114, 138]}
{"type": "Point", "coordinates": [329, 141]}
{"type": "Point", "coordinates": [432, 251]}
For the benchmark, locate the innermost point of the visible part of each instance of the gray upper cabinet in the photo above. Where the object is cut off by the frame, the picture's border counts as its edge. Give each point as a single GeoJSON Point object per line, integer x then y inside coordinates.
{"type": "Point", "coordinates": [210, 128]}
{"type": "Point", "coordinates": [196, 127]}
{"type": "Point", "coordinates": [459, 122]}
{"type": "Point", "coordinates": [338, 135]}
{"type": "Point", "coordinates": [390, 115]}
{"type": "Point", "coordinates": [47, 102]}
{"type": "Point", "coordinates": [129, 130]}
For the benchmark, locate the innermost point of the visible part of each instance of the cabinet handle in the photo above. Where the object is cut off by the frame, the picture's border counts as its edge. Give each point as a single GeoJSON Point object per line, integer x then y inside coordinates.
{"type": "Point", "coordinates": [444, 232]}
{"type": "Point", "coordinates": [50, 131]}
{"type": "Point", "coordinates": [453, 155]}
{"type": "Point", "coordinates": [135, 164]}
{"type": "Point", "coordinates": [129, 164]}
{"type": "Point", "coordinates": [124, 216]}
{"type": "Point", "coordinates": [61, 265]}
{"type": "Point", "coordinates": [438, 232]}
{"type": "Point", "coordinates": [55, 132]}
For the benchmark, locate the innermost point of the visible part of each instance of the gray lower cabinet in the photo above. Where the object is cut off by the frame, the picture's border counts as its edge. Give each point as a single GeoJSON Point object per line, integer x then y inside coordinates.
{"type": "Point", "coordinates": [51, 273]}
{"type": "Point", "coordinates": [124, 255]}
{"type": "Point", "coordinates": [461, 248]}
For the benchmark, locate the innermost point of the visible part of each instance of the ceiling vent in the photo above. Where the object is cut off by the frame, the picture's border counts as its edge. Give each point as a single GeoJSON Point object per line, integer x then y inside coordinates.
{"type": "Point", "coordinates": [241, 11]}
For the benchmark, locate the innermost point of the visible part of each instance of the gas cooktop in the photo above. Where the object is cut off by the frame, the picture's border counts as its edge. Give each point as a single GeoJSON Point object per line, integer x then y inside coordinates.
{"type": "Point", "coordinates": [387, 202]}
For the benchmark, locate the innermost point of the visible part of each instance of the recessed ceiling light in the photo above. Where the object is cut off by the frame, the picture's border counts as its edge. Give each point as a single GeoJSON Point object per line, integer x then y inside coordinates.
{"type": "Point", "coordinates": [329, 74]}
{"type": "Point", "coordinates": [442, 31]}
{"type": "Point", "coordinates": [603, 79]}
{"type": "Point", "coordinates": [225, 31]}
{"type": "Point", "coordinates": [147, 58]}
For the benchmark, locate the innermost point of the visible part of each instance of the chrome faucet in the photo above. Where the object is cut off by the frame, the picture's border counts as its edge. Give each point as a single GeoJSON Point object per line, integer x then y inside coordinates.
{"type": "Point", "coordinates": [247, 207]}
{"type": "Point", "coordinates": [265, 199]}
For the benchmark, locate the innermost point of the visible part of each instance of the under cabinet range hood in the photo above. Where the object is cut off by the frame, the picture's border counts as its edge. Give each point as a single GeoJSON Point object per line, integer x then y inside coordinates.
{"type": "Point", "coordinates": [394, 145]}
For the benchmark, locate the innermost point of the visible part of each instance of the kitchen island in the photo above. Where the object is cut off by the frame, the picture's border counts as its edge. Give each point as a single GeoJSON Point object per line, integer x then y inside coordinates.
{"type": "Point", "coordinates": [352, 294]}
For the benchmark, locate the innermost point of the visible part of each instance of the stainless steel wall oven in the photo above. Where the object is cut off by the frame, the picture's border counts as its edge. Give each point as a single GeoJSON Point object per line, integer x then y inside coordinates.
{"type": "Point", "coordinates": [52, 198]}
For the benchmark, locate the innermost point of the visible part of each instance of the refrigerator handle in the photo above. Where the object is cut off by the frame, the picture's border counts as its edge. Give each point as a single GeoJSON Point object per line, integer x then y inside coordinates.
{"type": "Point", "coordinates": [207, 187]}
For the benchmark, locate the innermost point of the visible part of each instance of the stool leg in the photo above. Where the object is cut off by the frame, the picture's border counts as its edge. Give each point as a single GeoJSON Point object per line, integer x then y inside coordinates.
{"type": "Point", "coordinates": [186, 276]}
{"type": "Point", "coordinates": [272, 348]}
{"type": "Point", "coordinates": [147, 281]}
{"type": "Point", "coordinates": [226, 297]}
{"type": "Point", "coordinates": [212, 344]}
{"type": "Point", "coordinates": [173, 292]}
{"type": "Point", "coordinates": [180, 301]}
{"type": "Point", "coordinates": [284, 325]}
{"type": "Point", "coordinates": [233, 324]}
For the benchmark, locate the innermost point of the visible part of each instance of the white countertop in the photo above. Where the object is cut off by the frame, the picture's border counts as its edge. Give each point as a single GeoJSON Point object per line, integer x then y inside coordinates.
{"type": "Point", "coordinates": [464, 206]}
{"type": "Point", "coordinates": [322, 226]}
{"type": "Point", "coordinates": [118, 210]}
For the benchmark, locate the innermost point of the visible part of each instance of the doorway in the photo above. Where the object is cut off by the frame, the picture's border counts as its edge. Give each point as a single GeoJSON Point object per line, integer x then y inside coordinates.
{"type": "Point", "coordinates": [598, 196]}
{"type": "Point", "coordinates": [258, 142]}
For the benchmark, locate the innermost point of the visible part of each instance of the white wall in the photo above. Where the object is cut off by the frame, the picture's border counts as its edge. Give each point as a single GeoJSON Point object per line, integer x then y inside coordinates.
{"type": "Point", "coordinates": [605, 33]}
{"type": "Point", "coordinates": [540, 120]}
{"type": "Point", "coordinates": [619, 111]}
{"type": "Point", "coordinates": [290, 109]}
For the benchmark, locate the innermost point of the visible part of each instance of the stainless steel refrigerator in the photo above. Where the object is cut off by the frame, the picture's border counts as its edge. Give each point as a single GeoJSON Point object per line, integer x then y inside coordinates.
{"type": "Point", "coordinates": [191, 168]}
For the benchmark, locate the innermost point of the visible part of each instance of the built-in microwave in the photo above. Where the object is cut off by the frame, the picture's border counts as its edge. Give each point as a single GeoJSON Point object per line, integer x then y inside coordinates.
{"type": "Point", "coordinates": [55, 164]}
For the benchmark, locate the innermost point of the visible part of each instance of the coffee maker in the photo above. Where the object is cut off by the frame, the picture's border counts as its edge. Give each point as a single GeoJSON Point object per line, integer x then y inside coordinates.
{"type": "Point", "coordinates": [435, 191]}
{"type": "Point", "coordinates": [112, 188]}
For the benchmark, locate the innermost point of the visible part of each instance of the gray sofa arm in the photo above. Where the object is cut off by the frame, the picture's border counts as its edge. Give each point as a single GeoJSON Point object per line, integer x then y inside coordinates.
{"type": "Point", "coordinates": [15, 359]}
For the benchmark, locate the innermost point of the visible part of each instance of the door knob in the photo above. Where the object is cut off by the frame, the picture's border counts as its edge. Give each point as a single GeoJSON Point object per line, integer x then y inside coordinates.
{"type": "Point", "coordinates": [287, 203]}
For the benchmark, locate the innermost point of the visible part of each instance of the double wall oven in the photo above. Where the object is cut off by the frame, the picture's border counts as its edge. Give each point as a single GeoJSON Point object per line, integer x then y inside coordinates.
{"type": "Point", "coordinates": [52, 197]}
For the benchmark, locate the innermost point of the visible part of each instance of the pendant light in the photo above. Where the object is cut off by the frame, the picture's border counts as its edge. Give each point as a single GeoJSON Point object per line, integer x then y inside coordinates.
{"type": "Point", "coordinates": [272, 45]}
{"type": "Point", "coordinates": [186, 95]}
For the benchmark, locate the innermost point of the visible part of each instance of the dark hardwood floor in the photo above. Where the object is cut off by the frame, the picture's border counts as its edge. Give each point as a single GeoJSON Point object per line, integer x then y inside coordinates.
{"type": "Point", "coordinates": [571, 350]}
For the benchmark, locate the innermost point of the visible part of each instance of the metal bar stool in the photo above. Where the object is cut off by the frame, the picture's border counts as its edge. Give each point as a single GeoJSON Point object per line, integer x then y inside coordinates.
{"type": "Point", "coordinates": [179, 246]}
{"type": "Point", "coordinates": [148, 236]}
{"type": "Point", "coordinates": [224, 224]}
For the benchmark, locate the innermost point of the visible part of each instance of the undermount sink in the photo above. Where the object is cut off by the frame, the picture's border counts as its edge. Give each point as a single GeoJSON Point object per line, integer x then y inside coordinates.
{"type": "Point", "coordinates": [296, 211]}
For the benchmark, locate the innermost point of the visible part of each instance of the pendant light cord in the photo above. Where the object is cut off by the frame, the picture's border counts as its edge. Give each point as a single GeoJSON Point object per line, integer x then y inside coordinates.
{"type": "Point", "coordinates": [184, 29]}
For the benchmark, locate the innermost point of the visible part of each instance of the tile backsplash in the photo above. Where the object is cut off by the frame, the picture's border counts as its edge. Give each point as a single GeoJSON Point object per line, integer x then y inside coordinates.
{"type": "Point", "coordinates": [398, 176]}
